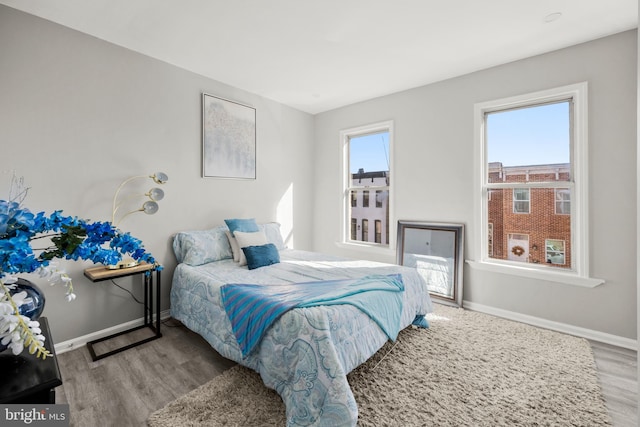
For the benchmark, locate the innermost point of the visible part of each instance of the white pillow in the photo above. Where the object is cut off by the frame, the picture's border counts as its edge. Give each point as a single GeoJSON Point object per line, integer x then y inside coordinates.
{"type": "Point", "coordinates": [243, 239]}
{"type": "Point", "coordinates": [235, 249]}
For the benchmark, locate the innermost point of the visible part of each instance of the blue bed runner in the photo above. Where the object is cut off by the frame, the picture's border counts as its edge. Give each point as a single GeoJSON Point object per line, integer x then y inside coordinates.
{"type": "Point", "coordinates": [252, 309]}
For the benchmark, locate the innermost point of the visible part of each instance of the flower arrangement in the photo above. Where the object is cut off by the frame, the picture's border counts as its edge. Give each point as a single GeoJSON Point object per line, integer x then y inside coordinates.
{"type": "Point", "coordinates": [59, 237]}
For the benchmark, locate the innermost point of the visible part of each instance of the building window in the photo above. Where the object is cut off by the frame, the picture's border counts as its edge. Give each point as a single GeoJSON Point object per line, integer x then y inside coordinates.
{"type": "Point", "coordinates": [367, 170]}
{"type": "Point", "coordinates": [563, 201]}
{"type": "Point", "coordinates": [521, 200]}
{"type": "Point", "coordinates": [379, 198]}
{"type": "Point", "coordinates": [354, 229]}
{"type": "Point", "coordinates": [365, 230]}
{"type": "Point", "coordinates": [532, 155]}
{"type": "Point", "coordinates": [554, 251]}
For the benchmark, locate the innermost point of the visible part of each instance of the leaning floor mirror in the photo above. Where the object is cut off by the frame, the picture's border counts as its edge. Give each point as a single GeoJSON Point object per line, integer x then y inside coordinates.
{"type": "Point", "coordinates": [436, 250]}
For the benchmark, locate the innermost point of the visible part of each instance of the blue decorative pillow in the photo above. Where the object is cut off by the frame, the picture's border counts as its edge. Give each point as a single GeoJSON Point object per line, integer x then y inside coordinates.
{"type": "Point", "coordinates": [244, 225]}
{"type": "Point", "coordinates": [201, 247]}
{"type": "Point", "coordinates": [261, 256]}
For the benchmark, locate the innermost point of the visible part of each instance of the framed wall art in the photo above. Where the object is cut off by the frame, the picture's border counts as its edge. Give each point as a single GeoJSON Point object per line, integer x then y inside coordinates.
{"type": "Point", "coordinates": [436, 250]}
{"type": "Point", "coordinates": [228, 139]}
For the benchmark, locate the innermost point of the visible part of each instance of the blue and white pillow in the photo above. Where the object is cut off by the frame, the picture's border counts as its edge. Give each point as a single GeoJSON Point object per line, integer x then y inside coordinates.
{"type": "Point", "coordinates": [201, 247]}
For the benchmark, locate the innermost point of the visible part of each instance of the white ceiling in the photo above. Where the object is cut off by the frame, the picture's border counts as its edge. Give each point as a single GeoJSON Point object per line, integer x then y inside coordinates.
{"type": "Point", "coordinates": [323, 54]}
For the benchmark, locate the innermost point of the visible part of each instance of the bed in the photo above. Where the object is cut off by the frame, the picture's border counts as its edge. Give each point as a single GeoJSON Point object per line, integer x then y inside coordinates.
{"type": "Point", "coordinates": [308, 351]}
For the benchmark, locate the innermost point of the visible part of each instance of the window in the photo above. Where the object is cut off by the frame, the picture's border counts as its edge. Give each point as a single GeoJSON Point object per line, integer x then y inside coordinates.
{"type": "Point", "coordinates": [521, 200]}
{"type": "Point", "coordinates": [529, 146]}
{"type": "Point", "coordinates": [365, 230]}
{"type": "Point", "coordinates": [367, 171]}
{"type": "Point", "coordinates": [554, 251]}
{"type": "Point", "coordinates": [354, 229]}
{"type": "Point", "coordinates": [563, 201]}
{"type": "Point", "coordinates": [532, 158]}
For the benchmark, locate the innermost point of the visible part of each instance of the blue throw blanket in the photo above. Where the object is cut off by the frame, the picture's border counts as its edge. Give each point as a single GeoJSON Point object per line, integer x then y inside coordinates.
{"type": "Point", "coordinates": [252, 309]}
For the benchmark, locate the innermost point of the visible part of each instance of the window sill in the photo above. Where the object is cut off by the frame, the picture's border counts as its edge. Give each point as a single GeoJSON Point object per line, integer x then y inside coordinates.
{"type": "Point", "coordinates": [534, 273]}
{"type": "Point", "coordinates": [379, 250]}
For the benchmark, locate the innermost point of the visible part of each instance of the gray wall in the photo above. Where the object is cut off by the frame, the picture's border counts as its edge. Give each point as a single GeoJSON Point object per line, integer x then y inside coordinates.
{"type": "Point", "coordinates": [79, 115]}
{"type": "Point", "coordinates": [434, 138]}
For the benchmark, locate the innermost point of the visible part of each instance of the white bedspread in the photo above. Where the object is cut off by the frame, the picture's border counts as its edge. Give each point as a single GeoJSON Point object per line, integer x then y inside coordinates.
{"type": "Point", "coordinates": [306, 355]}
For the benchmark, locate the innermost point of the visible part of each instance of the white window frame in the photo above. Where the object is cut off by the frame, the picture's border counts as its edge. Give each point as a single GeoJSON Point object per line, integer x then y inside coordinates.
{"type": "Point", "coordinates": [579, 274]}
{"type": "Point", "coordinates": [345, 216]}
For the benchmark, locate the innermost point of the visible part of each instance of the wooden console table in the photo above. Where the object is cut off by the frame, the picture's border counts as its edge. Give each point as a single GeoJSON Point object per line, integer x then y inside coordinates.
{"type": "Point", "coordinates": [151, 310]}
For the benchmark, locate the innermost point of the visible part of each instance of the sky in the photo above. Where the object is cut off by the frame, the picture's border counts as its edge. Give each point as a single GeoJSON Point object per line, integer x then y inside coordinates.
{"type": "Point", "coordinates": [370, 152]}
{"type": "Point", "coordinates": [529, 136]}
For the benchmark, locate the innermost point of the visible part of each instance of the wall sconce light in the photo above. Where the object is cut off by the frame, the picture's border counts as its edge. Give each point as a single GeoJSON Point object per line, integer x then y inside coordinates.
{"type": "Point", "coordinates": [534, 247]}
{"type": "Point", "coordinates": [149, 206]}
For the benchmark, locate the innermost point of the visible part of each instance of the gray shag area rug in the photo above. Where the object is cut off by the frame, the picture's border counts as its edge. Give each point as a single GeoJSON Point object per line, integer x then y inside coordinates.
{"type": "Point", "coordinates": [467, 369]}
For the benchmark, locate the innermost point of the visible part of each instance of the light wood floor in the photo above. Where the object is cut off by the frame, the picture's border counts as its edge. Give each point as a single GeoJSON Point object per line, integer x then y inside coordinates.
{"type": "Point", "coordinates": [124, 389]}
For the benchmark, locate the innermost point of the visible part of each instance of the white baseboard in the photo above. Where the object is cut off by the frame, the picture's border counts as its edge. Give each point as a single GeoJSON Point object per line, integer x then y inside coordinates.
{"type": "Point", "coordinates": [554, 326]}
{"type": "Point", "coordinates": [72, 344]}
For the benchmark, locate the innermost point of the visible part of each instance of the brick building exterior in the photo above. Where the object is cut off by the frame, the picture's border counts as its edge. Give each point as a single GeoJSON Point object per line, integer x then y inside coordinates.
{"type": "Point", "coordinates": [370, 207]}
{"type": "Point", "coordinates": [534, 224]}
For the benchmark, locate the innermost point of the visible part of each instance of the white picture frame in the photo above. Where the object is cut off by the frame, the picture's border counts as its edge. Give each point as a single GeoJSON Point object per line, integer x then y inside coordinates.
{"type": "Point", "coordinates": [228, 139]}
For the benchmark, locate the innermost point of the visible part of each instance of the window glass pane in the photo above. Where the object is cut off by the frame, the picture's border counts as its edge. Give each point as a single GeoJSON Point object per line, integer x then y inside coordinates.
{"type": "Point", "coordinates": [379, 197]}
{"type": "Point", "coordinates": [369, 159]}
{"type": "Point", "coordinates": [555, 251]}
{"type": "Point", "coordinates": [354, 229]}
{"type": "Point", "coordinates": [531, 144]}
{"type": "Point", "coordinates": [368, 185]}
{"type": "Point", "coordinates": [563, 201]}
{"type": "Point", "coordinates": [521, 200]}
{"type": "Point", "coordinates": [526, 238]}
{"type": "Point", "coordinates": [537, 135]}
{"type": "Point", "coordinates": [365, 230]}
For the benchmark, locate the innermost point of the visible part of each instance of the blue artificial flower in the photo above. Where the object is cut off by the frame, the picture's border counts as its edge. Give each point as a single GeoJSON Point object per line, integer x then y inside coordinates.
{"type": "Point", "coordinates": [72, 238]}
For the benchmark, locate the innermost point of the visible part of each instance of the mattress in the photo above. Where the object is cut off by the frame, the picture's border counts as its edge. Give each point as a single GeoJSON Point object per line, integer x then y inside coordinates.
{"type": "Point", "coordinates": [306, 355]}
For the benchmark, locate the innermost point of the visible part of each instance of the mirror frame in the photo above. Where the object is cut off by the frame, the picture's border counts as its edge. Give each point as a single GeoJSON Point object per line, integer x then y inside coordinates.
{"type": "Point", "coordinates": [458, 255]}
